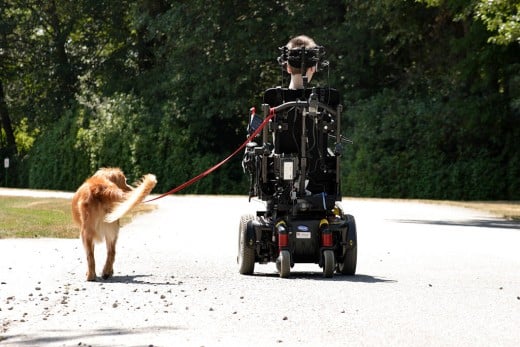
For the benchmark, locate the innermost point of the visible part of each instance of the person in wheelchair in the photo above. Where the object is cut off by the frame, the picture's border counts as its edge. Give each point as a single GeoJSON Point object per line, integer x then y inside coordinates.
{"type": "Point", "coordinates": [293, 67]}
{"type": "Point", "coordinates": [300, 58]}
{"type": "Point", "coordinates": [295, 169]}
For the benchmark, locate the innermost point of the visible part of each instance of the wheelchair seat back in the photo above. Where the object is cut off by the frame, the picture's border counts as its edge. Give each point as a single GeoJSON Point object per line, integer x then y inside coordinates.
{"type": "Point", "coordinates": [289, 125]}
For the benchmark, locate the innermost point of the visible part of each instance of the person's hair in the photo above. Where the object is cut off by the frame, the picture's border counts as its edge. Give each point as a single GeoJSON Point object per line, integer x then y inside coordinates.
{"type": "Point", "coordinates": [301, 41]}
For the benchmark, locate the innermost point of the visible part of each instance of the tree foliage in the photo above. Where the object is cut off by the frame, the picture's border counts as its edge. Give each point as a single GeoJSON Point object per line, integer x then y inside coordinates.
{"type": "Point", "coordinates": [431, 90]}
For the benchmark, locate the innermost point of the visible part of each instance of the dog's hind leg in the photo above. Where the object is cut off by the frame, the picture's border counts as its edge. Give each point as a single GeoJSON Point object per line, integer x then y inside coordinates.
{"type": "Point", "coordinates": [88, 244]}
{"type": "Point", "coordinates": [111, 239]}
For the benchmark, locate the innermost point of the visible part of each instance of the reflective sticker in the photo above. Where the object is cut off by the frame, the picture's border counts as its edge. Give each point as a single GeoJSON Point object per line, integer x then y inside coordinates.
{"type": "Point", "coordinates": [303, 228]}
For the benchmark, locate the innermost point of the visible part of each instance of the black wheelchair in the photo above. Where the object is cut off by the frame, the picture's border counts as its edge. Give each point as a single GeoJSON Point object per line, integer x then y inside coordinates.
{"type": "Point", "coordinates": [294, 167]}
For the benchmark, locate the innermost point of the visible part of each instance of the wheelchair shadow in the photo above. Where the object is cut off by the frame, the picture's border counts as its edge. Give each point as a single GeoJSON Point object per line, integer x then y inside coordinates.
{"type": "Point", "coordinates": [495, 223]}
{"type": "Point", "coordinates": [318, 276]}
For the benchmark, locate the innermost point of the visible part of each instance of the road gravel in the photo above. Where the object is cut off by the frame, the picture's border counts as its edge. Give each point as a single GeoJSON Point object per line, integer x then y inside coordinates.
{"type": "Point", "coordinates": [428, 275]}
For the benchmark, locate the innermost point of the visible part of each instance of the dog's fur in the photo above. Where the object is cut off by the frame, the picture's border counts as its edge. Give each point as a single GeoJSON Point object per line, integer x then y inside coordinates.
{"type": "Point", "coordinates": [97, 206]}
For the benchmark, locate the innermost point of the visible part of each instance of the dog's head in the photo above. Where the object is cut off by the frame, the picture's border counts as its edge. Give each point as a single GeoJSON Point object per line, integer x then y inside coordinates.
{"type": "Point", "coordinates": [116, 176]}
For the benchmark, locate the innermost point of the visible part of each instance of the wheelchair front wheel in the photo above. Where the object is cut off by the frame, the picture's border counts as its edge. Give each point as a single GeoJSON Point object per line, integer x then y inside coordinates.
{"type": "Point", "coordinates": [328, 263]}
{"type": "Point", "coordinates": [283, 264]}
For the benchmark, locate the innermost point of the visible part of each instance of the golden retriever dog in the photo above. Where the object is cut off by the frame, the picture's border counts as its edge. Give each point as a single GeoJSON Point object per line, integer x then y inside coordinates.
{"type": "Point", "coordinates": [97, 206]}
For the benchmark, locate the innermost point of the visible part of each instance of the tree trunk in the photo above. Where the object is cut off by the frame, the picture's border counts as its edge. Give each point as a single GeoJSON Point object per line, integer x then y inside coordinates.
{"type": "Point", "coordinates": [6, 123]}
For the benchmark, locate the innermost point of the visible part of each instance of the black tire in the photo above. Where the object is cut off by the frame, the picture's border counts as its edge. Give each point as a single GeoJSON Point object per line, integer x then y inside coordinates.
{"type": "Point", "coordinates": [283, 264]}
{"type": "Point", "coordinates": [328, 263]}
{"type": "Point", "coordinates": [348, 266]}
{"type": "Point", "coordinates": [246, 253]}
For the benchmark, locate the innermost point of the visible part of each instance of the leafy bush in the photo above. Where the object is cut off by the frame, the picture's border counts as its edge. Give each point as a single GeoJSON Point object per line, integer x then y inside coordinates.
{"type": "Point", "coordinates": [55, 162]}
{"type": "Point", "coordinates": [428, 147]}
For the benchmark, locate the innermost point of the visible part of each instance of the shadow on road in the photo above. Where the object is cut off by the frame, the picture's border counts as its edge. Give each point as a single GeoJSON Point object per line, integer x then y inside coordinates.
{"type": "Point", "coordinates": [479, 223]}
{"type": "Point", "coordinates": [296, 275]}
{"type": "Point", "coordinates": [60, 336]}
{"type": "Point", "coordinates": [318, 276]}
{"type": "Point", "coordinates": [135, 279]}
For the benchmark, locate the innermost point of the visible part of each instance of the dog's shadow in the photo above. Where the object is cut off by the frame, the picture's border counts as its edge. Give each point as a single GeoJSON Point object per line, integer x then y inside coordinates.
{"type": "Point", "coordinates": [134, 279]}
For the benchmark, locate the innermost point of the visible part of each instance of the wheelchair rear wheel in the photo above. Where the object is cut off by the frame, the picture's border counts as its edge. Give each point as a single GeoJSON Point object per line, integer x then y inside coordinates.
{"type": "Point", "coordinates": [246, 253]}
{"type": "Point", "coordinates": [348, 266]}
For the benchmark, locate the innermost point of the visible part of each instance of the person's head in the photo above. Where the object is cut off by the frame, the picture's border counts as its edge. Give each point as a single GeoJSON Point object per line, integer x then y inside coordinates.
{"type": "Point", "coordinates": [296, 43]}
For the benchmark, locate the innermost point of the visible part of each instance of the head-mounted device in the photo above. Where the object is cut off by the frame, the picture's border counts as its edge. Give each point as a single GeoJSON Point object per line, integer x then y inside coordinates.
{"type": "Point", "coordinates": [303, 58]}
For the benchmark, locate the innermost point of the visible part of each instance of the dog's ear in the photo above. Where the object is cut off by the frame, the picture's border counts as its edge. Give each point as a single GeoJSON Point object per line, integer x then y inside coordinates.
{"type": "Point", "coordinates": [119, 178]}
{"type": "Point", "coordinates": [120, 181]}
{"type": "Point", "coordinates": [125, 187]}
{"type": "Point", "coordinates": [116, 176]}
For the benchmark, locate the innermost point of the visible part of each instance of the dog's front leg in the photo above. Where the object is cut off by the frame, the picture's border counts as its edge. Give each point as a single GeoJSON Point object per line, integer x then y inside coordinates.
{"type": "Point", "coordinates": [111, 239]}
{"type": "Point", "coordinates": [88, 244]}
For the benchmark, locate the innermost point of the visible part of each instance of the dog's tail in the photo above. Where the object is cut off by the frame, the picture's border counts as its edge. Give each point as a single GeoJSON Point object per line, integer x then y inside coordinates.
{"type": "Point", "coordinates": [133, 198]}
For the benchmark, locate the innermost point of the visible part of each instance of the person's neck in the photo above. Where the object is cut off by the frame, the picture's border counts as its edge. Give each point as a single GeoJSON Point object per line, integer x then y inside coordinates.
{"type": "Point", "coordinates": [296, 82]}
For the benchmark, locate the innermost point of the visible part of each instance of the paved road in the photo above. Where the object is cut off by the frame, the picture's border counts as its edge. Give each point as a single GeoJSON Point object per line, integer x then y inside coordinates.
{"type": "Point", "coordinates": [427, 275]}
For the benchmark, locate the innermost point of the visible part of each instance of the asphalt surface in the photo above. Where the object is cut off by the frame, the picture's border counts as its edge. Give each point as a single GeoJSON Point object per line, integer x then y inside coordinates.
{"type": "Point", "coordinates": [428, 275]}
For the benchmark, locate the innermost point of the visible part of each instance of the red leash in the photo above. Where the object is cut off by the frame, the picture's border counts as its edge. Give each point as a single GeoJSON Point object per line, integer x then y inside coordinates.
{"type": "Point", "coordinates": [210, 170]}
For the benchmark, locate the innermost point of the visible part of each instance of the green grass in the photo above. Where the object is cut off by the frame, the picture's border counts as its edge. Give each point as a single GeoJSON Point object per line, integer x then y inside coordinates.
{"type": "Point", "coordinates": [22, 217]}
{"type": "Point", "coordinates": [505, 209]}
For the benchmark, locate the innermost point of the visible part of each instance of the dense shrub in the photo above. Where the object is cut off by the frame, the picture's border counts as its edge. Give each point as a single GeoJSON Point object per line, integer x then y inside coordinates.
{"type": "Point", "coordinates": [428, 148]}
{"type": "Point", "coordinates": [56, 162]}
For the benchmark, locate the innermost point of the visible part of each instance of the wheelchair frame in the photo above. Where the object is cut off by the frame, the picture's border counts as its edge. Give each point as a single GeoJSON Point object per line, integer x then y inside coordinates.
{"type": "Point", "coordinates": [299, 181]}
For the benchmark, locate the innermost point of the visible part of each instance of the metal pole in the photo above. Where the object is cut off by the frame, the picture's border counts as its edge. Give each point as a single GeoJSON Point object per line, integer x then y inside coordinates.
{"type": "Point", "coordinates": [6, 166]}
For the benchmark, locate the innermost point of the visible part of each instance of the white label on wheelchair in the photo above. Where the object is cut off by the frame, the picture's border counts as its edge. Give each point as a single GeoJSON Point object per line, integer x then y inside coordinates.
{"type": "Point", "coordinates": [303, 232]}
{"type": "Point", "coordinates": [288, 170]}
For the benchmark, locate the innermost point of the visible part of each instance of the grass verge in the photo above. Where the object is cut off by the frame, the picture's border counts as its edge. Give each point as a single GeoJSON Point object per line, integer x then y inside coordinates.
{"type": "Point", "coordinates": [506, 209]}
{"type": "Point", "coordinates": [24, 217]}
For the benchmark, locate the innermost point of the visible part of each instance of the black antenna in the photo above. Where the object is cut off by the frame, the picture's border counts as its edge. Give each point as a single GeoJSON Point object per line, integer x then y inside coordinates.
{"type": "Point", "coordinates": [283, 60]}
{"type": "Point", "coordinates": [303, 68]}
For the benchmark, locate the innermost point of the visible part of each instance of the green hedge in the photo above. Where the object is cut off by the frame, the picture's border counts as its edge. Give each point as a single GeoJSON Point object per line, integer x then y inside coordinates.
{"type": "Point", "coordinates": [432, 147]}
